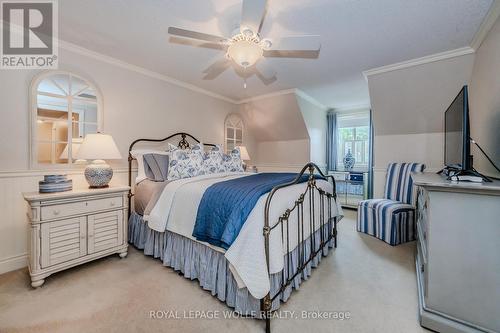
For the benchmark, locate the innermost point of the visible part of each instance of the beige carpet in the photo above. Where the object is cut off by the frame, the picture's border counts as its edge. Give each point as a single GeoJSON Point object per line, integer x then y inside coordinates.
{"type": "Point", "coordinates": [371, 280]}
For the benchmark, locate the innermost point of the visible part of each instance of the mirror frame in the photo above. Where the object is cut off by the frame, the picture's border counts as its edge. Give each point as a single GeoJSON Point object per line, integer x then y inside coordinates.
{"type": "Point", "coordinates": [33, 110]}
{"type": "Point", "coordinates": [226, 121]}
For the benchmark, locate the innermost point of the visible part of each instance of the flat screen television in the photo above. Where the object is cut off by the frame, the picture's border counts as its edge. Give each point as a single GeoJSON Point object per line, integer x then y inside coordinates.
{"type": "Point", "coordinates": [457, 133]}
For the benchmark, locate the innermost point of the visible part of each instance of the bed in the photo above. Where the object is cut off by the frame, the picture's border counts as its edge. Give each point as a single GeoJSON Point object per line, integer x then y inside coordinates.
{"type": "Point", "coordinates": [275, 242]}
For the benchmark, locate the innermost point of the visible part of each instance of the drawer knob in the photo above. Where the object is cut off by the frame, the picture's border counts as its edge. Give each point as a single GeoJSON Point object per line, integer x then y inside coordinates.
{"type": "Point", "coordinates": [56, 212]}
{"type": "Point", "coordinates": [112, 203]}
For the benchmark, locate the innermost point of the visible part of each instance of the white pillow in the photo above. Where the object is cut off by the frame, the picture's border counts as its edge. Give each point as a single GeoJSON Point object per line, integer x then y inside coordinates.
{"type": "Point", "coordinates": [232, 162]}
{"type": "Point", "coordinates": [212, 161]}
{"type": "Point", "coordinates": [138, 154]}
{"type": "Point", "coordinates": [186, 163]}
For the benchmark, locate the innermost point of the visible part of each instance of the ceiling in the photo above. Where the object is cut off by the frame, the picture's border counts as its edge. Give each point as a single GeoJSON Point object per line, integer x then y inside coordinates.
{"type": "Point", "coordinates": [356, 35]}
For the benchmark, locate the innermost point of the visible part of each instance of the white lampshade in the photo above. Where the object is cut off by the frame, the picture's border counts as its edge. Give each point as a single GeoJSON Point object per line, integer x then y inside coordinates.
{"type": "Point", "coordinates": [75, 146]}
{"type": "Point", "coordinates": [244, 153]}
{"type": "Point", "coordinates": [98, 147]}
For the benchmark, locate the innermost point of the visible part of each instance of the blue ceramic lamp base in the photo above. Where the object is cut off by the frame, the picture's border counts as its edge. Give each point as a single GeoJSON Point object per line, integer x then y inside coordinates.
{"type": "Point", "coordinates": [98, 174]}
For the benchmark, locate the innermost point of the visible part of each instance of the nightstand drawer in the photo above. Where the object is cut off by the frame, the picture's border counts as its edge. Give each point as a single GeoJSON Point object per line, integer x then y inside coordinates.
{"type": "Point", "coordinates": [81, 207]}
{"type": "Point", "coordinates": [339, 175]}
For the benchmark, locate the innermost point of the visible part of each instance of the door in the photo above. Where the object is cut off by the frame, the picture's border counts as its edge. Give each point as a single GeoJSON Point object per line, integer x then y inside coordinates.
{"type": "Point", "coordinates": [63, 241]}
{"type": "Point", "coordinates": [105, 231]}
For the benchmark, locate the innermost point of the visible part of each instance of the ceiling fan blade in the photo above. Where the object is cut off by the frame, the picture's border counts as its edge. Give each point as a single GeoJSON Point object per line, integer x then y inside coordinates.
{"type": "Point", "coordinates": [197, 43]}
{"type": "Point", "coordinates": [265, 70]}
{"type": "Point", "coordinates": [307, 54]}
{"type": "Point", "coordinates": [195, 35]}
{"type": "Point", "coordinates": [297, 43]}
{"type": "Point", "coordinates": [216, 69]}
{"type": "Point", "coordinates": [252, 14]}
{"type": "Point", "coordinates": [265, 80]}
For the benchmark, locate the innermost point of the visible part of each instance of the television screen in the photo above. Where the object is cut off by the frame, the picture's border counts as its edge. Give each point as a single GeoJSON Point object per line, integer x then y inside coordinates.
{"type": "Point", "coordinates": [456, 148]}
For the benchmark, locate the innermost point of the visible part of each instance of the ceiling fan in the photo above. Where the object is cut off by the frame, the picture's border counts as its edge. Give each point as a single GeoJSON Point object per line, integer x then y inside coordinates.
{"type": "Point", "coordinates": [246, 47]}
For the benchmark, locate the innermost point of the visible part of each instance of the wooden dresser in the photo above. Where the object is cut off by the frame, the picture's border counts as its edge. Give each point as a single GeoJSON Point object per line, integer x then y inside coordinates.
{"type": "Point", "coordinates": [71, 228]}
{"type": "Point", "coordinates": [458, 254]}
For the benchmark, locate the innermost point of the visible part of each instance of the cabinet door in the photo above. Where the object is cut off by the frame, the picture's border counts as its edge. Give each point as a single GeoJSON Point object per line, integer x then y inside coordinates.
{"type": "Point", "coordinates": [63, 241]}
{"type": "Point", "coordinates": [105, 231]}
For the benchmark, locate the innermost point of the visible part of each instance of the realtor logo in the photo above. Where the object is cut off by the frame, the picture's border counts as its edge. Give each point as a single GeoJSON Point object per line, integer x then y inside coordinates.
{"type": "Point", "coordinates": [29, 35]}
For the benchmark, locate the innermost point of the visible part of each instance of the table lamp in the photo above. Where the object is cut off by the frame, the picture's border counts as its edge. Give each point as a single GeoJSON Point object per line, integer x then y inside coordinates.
{"type": "Point", "coordinates": [244, 156]}
{"type": "Point", "coordinates": [98, 147]}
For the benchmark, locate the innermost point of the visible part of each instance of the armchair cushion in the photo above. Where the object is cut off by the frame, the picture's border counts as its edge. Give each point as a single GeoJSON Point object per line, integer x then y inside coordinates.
{"type": "Point", "coordinates": [389, 220]}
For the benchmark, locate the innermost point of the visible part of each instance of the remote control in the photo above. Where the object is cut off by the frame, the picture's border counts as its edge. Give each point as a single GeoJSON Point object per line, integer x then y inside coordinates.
{"type": "Point", "coordinates": [474, 179]}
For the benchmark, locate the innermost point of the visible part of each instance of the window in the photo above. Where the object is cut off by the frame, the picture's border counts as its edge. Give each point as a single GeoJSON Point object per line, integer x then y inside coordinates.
{"type": "Point", "coordinates": [66, 107]}
{"type": "Point", "coordinates": [233, 132]}
{"type": "Point", "coordinates": [353, 134]}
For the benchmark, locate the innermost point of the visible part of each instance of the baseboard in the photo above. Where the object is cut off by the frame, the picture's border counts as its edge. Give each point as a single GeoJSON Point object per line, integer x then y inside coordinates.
{"type": "Point", "coordinates": [13, 263]}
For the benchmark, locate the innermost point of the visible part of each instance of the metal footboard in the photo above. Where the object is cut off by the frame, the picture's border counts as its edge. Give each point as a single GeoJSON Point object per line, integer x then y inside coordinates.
{"type": "Point", "coordinates": [325, 223]}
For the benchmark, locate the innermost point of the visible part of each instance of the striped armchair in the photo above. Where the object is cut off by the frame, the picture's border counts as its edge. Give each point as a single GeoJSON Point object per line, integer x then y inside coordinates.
{"type": "Point", "coordinates": [392, 219]}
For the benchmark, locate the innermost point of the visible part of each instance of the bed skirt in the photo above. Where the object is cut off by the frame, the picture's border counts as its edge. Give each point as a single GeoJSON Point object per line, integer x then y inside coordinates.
{"type": "Point", "coordinates": [198, 261]}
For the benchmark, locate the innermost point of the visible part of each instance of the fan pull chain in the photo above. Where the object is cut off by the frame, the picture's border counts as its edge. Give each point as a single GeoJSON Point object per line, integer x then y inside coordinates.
{"type": "Point", "coordinates": [244, 77]}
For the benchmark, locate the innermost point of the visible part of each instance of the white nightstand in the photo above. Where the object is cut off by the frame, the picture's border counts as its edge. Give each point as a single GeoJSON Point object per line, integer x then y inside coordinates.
{"type": "Point", "coordinates": [71, 228]}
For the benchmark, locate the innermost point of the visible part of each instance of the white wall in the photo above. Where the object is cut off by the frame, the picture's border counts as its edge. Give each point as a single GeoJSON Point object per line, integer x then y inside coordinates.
{"type": "Point", "coordinates": [485, 102]}
{"type": "Point", "coordinates": [424, 147]}
{"type": "Point", "coordinates": [408, 112]}
{"type": "Point", "coordinates": [135, 105]}
{"type": "Point", "coordinates": [315, 120]}
{"type": "Point", "coordinates": [286, 130]}
{"type": "Point", "coordinates": [283, 155]}
{"type": "Point", "coordinates": [270, 122]}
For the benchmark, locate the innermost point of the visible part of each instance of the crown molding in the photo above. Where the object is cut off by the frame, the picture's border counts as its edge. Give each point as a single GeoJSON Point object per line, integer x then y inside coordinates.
{"type": "Point", "coordinates": [120, 63]}
{"type": "Point", "coordinates": [294, 91]}
{"type": "Point", "coordinates": [310, 99]}
{"type": "Point", "coordinates": [141, 70]}
{"type": "Point", "coordinates": [486, 25]}
{"type": "Point", "coordinates": [419, 61]}
{"type": "Point", "coordinates": [352, 107]}
{"type": "Point", "coordinates": [264, 96]}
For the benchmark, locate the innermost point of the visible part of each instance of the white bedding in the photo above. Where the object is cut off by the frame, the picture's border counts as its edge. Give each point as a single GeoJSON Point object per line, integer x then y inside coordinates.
{"type": "Point", "coordinates": [176, 211]}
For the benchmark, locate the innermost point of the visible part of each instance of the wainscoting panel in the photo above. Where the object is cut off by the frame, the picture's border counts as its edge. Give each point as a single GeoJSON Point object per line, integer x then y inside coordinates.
{"type": "Point", "coordinates": [284, 167]}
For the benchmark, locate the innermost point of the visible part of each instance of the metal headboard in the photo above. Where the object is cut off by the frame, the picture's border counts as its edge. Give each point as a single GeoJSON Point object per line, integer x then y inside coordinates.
{"type": "Point", "coordinates": [183, 144]}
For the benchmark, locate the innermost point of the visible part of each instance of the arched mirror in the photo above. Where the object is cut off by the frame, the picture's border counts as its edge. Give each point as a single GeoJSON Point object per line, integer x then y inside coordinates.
{"type": "Point", "coordinates": [65, 108]}
{"type": "Point", "coordinates": [233, 127]}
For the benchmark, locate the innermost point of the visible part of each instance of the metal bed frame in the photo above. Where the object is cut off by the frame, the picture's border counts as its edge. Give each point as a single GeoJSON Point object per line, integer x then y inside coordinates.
{"type": "Point", "coordinates": [324, 222]}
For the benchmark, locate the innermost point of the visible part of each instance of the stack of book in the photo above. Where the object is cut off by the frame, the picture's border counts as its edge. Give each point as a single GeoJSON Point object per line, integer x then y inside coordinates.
{"type": "Point", "coordinates": [55, 183]}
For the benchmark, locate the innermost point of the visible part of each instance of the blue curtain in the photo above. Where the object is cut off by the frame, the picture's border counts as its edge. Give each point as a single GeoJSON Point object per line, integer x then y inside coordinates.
{"type": "Point", "coordinates": [370, 161]}
{"type": "Point", "coordinates": [331, 140]}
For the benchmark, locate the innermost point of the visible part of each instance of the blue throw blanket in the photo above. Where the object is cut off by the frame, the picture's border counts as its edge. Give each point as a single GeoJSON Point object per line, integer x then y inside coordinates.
{"type": "Point", "coordinates": [225, 206]}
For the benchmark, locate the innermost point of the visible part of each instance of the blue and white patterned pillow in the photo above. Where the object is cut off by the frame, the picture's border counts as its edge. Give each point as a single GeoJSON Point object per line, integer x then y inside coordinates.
{"type": "Point", "coordinates": [232, 162]}
{"type": "Point", "coordinates": [212, 161]}
{"type": "Point", "coordinates": [185, 163]}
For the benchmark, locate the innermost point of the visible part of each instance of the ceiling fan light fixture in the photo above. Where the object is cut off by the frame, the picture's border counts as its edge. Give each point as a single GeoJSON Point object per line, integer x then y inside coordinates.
{"type": "Point", "coordinates": [245, 51]}
{"type": "Point", "coordinates": [266, 44]}
{"type": "Point", "coordinates": [247, 32]}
